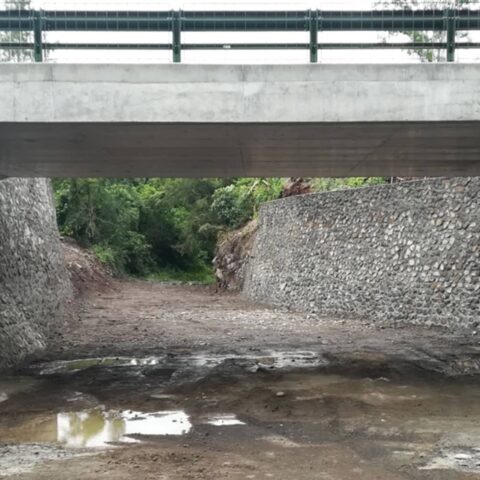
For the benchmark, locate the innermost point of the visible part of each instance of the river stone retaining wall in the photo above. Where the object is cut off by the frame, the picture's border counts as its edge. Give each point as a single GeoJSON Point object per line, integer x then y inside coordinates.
{"type": "Point", "coordinates": [407, 252]}
{"type": "Point", "coordinates": [34, 284]}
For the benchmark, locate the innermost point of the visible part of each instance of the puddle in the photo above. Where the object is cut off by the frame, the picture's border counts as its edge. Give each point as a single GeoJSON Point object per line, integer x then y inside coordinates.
{"type": "Point", "coordinates": [224, 420]}
{"type": "Point", "coordinates": [97, 428]}
{"type": "Point", "coordinates": [420, 424]}
{"type": "Point", "coordinates": [72, 366]}
{"type": "Point", "coordinates": [100, 428]}
{"type": "Point", "coordinates": [269, 360]}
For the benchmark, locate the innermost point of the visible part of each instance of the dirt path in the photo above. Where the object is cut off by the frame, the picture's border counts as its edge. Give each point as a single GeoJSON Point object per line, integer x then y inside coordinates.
{"type": "Point", "coordinates": [139, 318]}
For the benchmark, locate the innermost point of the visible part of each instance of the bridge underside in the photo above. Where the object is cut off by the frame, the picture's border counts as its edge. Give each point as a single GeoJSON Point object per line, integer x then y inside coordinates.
{"type": "Point", "coordinates": [244, 120]}
{"type": "Point", "coordinates": [240, 149]}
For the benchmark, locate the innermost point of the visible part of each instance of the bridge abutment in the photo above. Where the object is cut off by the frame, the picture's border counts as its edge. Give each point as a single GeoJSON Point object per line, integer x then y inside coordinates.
{"type": "Point", "coordinates": [34, 283]}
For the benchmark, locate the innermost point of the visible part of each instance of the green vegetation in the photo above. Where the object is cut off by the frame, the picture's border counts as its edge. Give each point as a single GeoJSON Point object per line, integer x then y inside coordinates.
{"type": "Point", "coordinates": [159, 228]}
{"type": "Point", "coordinates": [205, 276]}
{"type": "Point", "coordinates": [324, 184]}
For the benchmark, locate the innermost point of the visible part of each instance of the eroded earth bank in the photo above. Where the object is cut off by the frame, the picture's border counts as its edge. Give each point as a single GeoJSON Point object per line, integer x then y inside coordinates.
{"type": "Point", "coordinates": [156, 381]}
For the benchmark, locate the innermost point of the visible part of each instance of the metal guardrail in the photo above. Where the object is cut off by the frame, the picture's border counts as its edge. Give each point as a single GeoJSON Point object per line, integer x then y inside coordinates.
{"type": "Point", "coordinates": [448, 21]}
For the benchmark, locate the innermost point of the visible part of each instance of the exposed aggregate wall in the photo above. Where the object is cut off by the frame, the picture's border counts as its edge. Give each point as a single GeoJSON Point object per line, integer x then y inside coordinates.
{"type": "Point", "coordinates": [34, 284]}
{"type": "Point", "coordinates": [407, 252]}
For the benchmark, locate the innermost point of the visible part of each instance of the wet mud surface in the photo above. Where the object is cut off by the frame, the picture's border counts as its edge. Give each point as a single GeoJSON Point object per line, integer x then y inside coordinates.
{"type": "Point", "coordinates": [285, 396]}
{"type": "Point", "coordinates": [139, 319]}
{"type": "Point", "coordinates": [253, 416]}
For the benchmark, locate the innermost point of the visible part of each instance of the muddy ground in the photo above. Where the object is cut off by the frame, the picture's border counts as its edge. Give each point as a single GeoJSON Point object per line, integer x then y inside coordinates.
{"type": "Point", "coordinates": [156, 381]}
{"type": "Point", "coordinates": [140, 318]}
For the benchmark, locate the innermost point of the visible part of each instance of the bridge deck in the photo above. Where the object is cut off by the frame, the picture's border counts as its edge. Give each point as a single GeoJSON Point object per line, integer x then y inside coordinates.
{"type": "Point", "coordinates": [194, 120]}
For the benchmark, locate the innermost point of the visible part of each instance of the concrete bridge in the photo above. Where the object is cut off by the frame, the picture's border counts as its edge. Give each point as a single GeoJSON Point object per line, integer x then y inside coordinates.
{"type": "Point", "coordinates": [205, 120]}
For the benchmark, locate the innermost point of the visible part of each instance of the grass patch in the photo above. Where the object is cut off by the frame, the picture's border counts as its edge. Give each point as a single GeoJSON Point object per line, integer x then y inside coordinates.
{"type": "Point", "coordinates": [173, 275]}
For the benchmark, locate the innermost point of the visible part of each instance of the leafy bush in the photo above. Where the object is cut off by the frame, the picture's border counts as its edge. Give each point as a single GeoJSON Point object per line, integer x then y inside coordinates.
{"type": "Point", "coordinates": [107, 256]}
{"type": "Point", "coordinates": [324, 184]}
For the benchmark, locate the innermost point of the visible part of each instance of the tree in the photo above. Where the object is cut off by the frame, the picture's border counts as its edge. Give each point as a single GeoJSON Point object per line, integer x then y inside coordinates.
{"type": "Point", "coordinates": [16, 54]}
{"type": "Point", "coordinates": [427, 54]}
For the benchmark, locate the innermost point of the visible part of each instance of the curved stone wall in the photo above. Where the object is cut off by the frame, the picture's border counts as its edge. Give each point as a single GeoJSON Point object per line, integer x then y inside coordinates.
{"type": "Point", "coordinates": [407, 252]}
{"type": "Point", "coordinates": [34, 284]}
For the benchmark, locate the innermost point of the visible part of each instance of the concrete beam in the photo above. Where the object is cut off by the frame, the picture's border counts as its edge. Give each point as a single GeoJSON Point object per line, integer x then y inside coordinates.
{"type": "Point", "coordinates": [206, 120]}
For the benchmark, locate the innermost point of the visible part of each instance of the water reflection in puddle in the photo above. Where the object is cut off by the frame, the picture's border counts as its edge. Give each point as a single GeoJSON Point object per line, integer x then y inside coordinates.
{"type": "Point", "coordinates": [65, 366]}
{"type": "Point", "coordinates": [268, 360]}
{"type": "Point", "coordinates": [97, 428]}
{"type": "Point", "coordinates": [224, 420]}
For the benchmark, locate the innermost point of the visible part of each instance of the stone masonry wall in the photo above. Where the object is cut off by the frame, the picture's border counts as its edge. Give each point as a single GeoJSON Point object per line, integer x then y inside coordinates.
{"type": "Point", "coordinates": [34, 284]}
{"type": "Point", "coordinates": [407, 252]}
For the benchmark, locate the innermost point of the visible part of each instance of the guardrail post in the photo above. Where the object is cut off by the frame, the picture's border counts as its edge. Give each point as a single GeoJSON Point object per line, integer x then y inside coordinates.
{"type": "Point", "coordinates": [451, 30]}
{"type": "Point", "coordinates": [176, 36]}
{"type": "Point", "coordinates": [37, 36]}
{"type": "Point", "coordinates": [313, 27]}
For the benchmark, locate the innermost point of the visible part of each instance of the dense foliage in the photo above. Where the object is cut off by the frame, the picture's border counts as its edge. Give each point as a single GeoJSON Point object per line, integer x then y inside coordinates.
{"type": "Point", "coordinates": [146, 226]}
